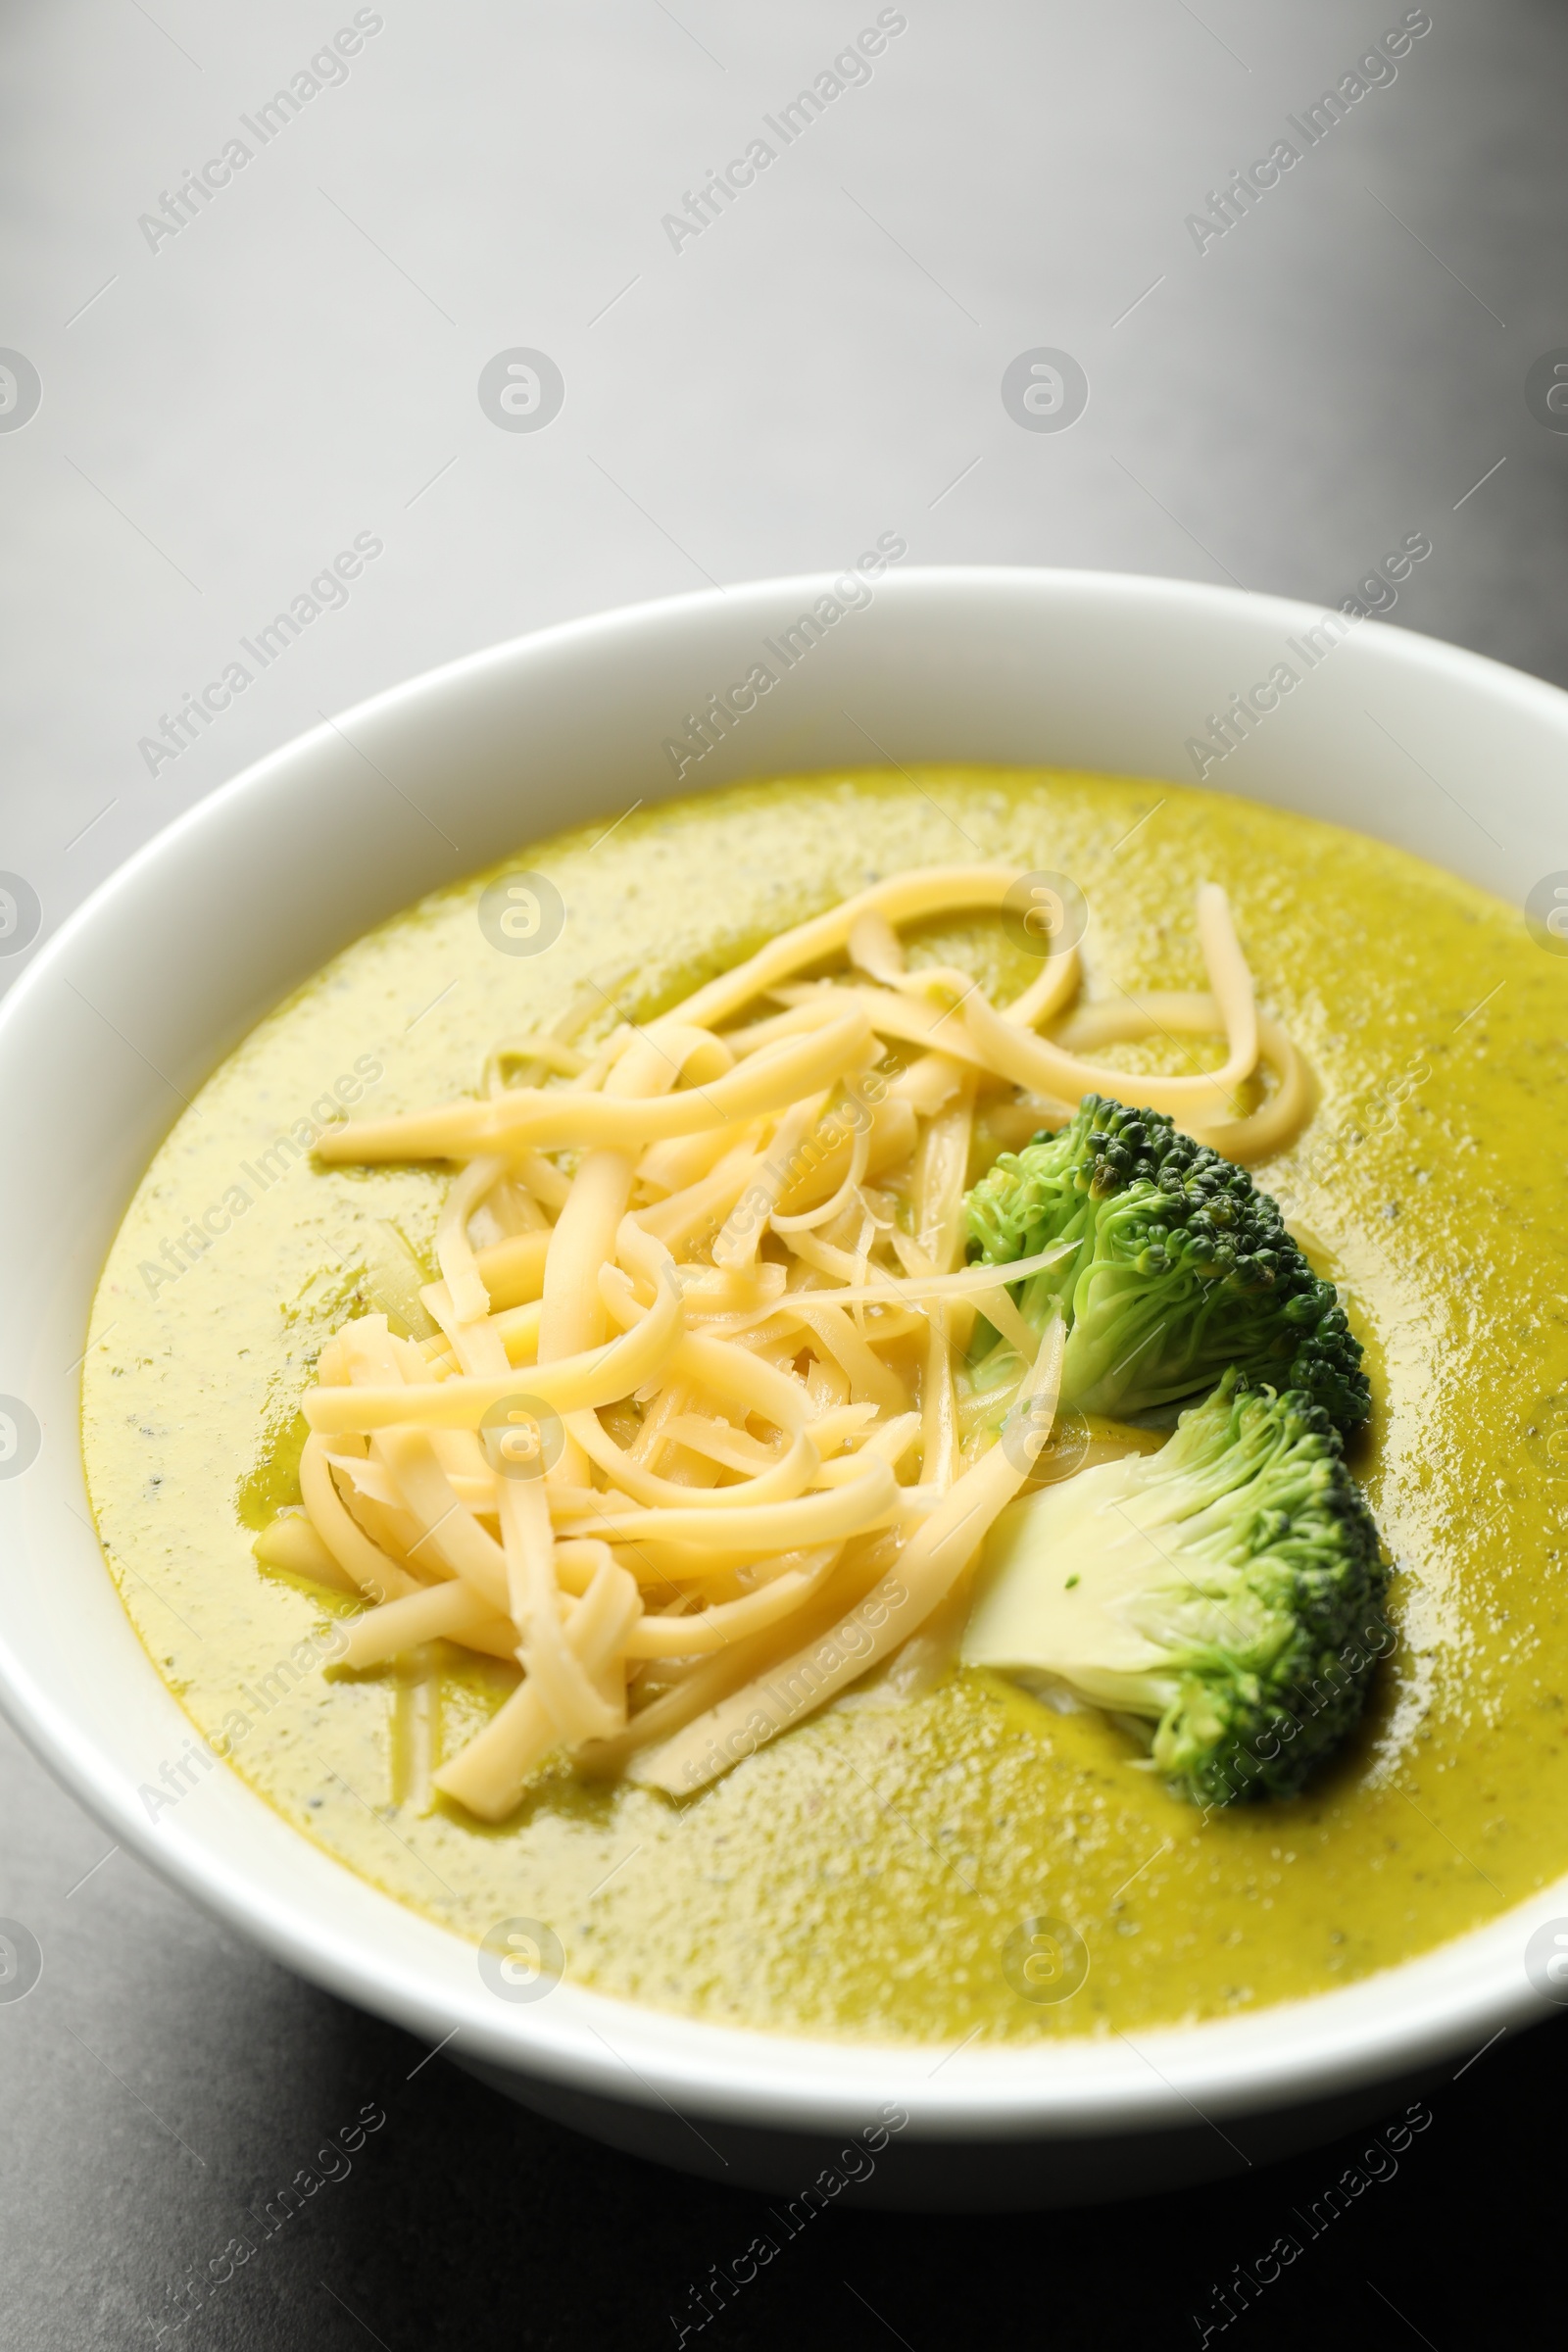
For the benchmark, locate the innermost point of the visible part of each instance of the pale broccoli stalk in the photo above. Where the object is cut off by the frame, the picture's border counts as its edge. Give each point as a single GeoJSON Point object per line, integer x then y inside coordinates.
{"type": "Point", "coordinates": [1183, 1268]}
{"type": "Point", "coordinates": [1228, 1588]}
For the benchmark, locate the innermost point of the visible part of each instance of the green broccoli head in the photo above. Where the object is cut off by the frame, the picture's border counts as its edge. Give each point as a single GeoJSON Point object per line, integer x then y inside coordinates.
{"type": "Point", "coordinates": [1183, 1267]}
{"type": "Point", "coordinates": [1228, 1588]}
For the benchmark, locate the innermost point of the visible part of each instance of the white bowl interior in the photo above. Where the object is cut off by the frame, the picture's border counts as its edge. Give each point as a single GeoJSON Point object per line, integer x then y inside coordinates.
{"type": "Point", "coordinates": [127, 1010]}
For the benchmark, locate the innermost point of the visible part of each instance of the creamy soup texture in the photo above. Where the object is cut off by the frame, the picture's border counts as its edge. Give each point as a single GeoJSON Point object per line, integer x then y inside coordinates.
{"type": "Point", "coordinates": [872, 1871]}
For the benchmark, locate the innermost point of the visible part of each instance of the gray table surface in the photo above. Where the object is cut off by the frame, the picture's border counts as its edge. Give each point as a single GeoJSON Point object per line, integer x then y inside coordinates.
{"type": "Point", "coordinates": [224, 406]}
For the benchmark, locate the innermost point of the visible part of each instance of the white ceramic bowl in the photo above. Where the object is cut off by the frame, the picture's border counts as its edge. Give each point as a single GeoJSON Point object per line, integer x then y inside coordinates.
{"type": "Point", "coordinates": [136, 999]}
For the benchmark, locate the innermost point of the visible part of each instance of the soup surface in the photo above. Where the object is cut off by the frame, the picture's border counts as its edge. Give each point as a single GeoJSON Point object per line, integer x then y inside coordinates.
{"type": "Point", "coordinates": [877, 1871]}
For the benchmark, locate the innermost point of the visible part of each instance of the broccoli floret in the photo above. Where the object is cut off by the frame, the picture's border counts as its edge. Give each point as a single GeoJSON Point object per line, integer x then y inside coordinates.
{"type": "Point", "coordinates": [1183, 1267]}
{"type": "Point", "coordinates": [1229, 1587]}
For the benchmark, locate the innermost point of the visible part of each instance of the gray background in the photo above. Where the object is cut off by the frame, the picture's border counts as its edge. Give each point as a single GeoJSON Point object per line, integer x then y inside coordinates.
{"type": "Point", "coordinates": [823, 363]}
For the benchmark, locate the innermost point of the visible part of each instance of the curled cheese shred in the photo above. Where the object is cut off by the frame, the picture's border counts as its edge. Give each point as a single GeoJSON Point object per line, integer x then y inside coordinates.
{"type": "Point", "coordinates": [688, 1452]}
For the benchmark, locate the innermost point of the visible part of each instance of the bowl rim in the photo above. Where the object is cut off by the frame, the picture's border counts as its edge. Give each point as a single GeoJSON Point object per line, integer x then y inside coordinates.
{"type": "Point", "coordinates": [1411, 2015]}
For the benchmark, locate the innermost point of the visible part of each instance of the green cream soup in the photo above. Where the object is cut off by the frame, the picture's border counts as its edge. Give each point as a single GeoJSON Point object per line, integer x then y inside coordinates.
{"type": "Point", "coordinates": [865, 1874]}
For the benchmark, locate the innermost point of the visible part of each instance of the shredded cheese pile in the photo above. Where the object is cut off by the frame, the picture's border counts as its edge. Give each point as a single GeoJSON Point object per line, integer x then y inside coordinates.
{"type": "Point", "coordinates": [693, 1446]}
